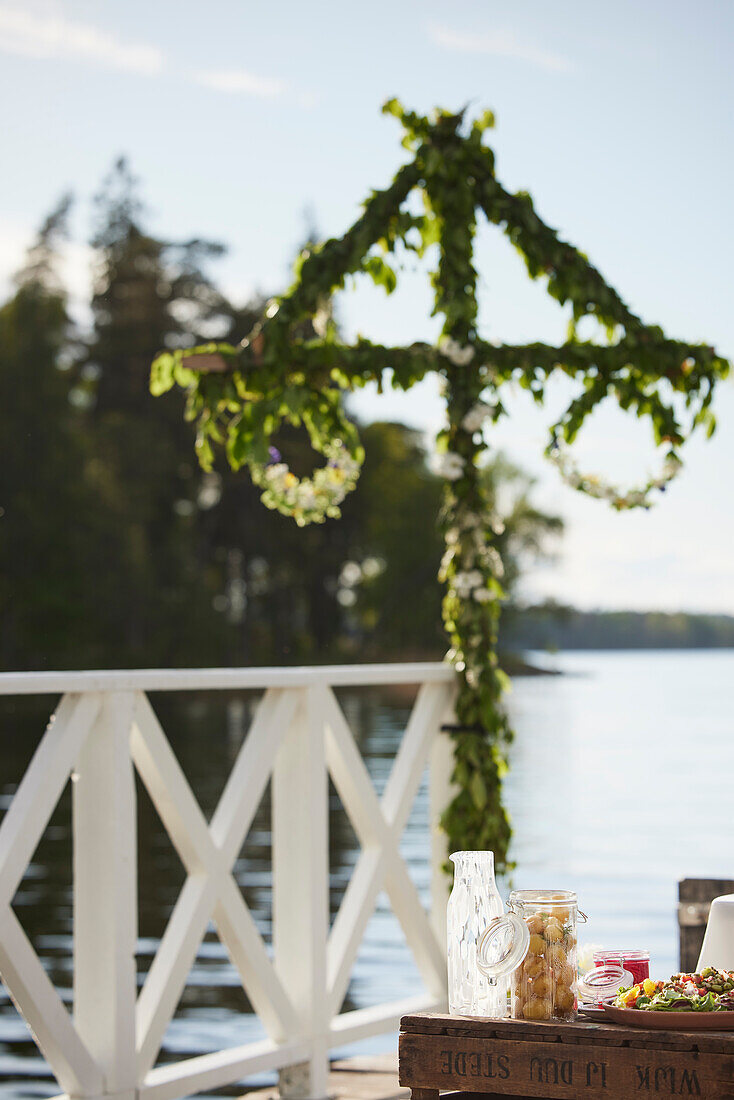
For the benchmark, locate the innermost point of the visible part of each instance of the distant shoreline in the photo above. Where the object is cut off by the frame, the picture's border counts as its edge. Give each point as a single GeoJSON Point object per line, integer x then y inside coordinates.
{"type": "Point", "coordinates": [553, 628]}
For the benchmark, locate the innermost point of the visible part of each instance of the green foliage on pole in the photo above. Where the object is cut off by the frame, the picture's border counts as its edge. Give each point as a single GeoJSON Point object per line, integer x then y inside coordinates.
{"type": "Point", "coordinates": [239, 396]}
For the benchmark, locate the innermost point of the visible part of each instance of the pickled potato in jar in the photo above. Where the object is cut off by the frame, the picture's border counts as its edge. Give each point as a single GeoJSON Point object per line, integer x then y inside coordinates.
{"type": "Point", "coordinates": [543, 986]}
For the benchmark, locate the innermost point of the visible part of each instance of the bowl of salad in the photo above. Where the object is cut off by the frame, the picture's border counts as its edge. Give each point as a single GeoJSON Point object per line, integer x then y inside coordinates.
{"type": "Point", "coordinates": [686, 1001]}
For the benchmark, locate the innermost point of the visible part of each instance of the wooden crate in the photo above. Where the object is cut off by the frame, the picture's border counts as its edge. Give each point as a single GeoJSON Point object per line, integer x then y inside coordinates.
{"type": "Point", "coordinates": [526, 1059]}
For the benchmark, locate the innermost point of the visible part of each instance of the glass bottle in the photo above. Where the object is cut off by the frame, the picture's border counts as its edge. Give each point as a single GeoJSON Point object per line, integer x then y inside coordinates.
{"type": "Point", "coordinates": [473, 905]}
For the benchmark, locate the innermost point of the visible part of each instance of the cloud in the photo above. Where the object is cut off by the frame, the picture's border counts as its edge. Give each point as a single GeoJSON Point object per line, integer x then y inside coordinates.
{"type": "Point", "coordinates": [43, 35]}
{"type": "Point", "coordinates": [240, 81]}
{"type": "Point", "coordinates": [53, 36]}
{"type": "Point", "coordinates": [497, 44]}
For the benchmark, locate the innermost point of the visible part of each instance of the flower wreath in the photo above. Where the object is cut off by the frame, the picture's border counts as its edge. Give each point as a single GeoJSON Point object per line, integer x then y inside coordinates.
{"type": "Point", "coordinates": [559, 454]}
{"type": "Point", "coordinates": [309, 499]}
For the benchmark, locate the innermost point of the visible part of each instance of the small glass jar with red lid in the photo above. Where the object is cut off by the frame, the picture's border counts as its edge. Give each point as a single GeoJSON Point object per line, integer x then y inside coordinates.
{"type": "Point", "coordinates": [636, 962]}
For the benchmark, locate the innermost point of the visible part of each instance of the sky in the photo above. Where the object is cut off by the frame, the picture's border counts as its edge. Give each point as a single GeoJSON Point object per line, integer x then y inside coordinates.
{"type": "Point", "coordinates": [245, 121]}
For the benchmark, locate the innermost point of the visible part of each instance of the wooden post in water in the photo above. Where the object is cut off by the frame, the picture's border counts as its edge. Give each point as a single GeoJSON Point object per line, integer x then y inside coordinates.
{"type": "Point", "coordinates": [694, 902]}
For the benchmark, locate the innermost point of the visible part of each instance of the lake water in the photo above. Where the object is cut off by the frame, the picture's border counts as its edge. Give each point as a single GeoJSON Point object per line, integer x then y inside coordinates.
{"type": "Point", "coordinates": [622, 782]}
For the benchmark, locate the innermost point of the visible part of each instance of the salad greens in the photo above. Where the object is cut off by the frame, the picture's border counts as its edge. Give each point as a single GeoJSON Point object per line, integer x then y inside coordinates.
{"type": "Point", "coordinates": [710, 991]}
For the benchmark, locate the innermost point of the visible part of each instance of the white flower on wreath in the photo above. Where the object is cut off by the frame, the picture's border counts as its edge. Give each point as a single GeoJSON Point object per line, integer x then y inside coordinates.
{"type": "Point", "coordinates": [458, 354]}
{"type": "Point", "coordinates": [466, 581]}
{"type": "Point", "coordinates": [671, 468]}
{"type": "Point", "coordinates": [477, 415]}
{"type": "Point", "coordinates": [446, 558]}
{"type": "Point", "coordinates": [307, 497]}
{"type": "Point", "coordinates": [449, 465]}
{"type": "Point", "coordinates": [472, 677]}
{"type": "Point", "coordinates": [494, 561]}
{"type": "Point", "coordinates": [482, 595]}
{"type": "Point", "coordinates": [469, 521]}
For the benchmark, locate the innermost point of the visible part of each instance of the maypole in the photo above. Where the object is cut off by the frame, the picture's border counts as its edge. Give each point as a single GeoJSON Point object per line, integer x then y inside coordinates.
{"type": "Point", "coordinates": [240, 396]}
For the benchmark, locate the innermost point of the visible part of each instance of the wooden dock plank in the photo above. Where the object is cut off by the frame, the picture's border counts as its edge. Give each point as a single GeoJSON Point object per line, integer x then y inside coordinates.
{"type": "Point", "coordinates": [370, 1077]}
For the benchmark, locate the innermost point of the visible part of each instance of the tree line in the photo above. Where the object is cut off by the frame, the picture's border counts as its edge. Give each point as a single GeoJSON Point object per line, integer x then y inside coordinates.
{"type": "Point", "coordinates": [554, 626]}
{"type": "Point", "coordinates": [117, 550]}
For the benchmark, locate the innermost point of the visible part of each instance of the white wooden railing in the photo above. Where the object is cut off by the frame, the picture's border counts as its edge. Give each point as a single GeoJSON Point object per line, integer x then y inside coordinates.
{"type": "Point", "coordinates": [102, 731]}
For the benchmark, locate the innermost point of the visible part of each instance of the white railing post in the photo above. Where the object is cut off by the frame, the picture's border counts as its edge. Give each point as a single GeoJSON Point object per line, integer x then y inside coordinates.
{"type": "Point", "coordinates": [300, 847]}
{"type": "Point", "coordinates": [440, 793]}
{"type": "Point", "coordinates": [105, 897]}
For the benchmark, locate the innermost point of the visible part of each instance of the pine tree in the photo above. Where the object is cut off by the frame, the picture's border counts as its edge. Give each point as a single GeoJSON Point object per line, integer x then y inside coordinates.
{"type": "Point", "coordinates": [149, 294]}
{"type": "Point", "coordinates": [47, 504]}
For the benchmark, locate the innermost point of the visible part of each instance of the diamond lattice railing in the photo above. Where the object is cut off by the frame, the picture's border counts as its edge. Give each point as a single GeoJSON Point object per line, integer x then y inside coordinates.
{"type": "Point", "coordinates": [299, 736]}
